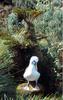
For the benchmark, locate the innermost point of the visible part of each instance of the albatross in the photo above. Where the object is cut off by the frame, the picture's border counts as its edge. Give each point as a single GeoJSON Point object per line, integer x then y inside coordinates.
{"type": "Point", "coordinates": [31, 72]}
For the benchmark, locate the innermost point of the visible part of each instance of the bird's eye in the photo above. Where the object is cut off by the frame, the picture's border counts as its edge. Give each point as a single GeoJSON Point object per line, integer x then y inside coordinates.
{"type": "Point", "coordinates": [34, 62]}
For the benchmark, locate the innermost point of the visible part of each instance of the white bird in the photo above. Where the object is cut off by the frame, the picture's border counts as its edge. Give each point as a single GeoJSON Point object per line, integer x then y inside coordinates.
{"type": "Point", "coordinates": [31, 72]}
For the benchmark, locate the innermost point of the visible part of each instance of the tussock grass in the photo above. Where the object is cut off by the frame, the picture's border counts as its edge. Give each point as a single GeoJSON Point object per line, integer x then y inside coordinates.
{"type": "Point", "coordinates": [33, 97]}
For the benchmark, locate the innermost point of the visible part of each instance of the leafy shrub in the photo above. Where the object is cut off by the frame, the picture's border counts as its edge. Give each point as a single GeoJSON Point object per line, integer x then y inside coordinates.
{"type": "Point", "coordinates": [50, 23]}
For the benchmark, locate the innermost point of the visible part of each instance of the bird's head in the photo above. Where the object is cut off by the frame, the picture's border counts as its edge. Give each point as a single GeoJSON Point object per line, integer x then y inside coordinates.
{"type": "Point", "coordinates": [34, 60]}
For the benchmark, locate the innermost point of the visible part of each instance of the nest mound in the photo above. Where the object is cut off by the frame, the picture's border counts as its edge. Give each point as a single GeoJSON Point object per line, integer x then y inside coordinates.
{"type": "Point", "coordinates": [21, 90]}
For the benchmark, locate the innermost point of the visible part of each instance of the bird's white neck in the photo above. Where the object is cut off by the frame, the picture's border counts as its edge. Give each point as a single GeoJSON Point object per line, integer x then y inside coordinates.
{"type": "Point", "coordinates": [33, 66]}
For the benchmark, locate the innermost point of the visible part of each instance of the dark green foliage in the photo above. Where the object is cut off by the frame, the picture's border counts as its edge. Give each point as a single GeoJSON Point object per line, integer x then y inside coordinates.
{"type": "Point", "coordinates": [6, 82]}
{"type": "Point", "coordinates": [6, 64]}
{"type": "Point", "coordinates": [6, 60]}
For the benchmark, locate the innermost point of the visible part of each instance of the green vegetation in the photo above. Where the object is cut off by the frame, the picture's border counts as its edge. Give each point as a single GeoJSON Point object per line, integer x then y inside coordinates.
{"type": "Point", "coordinates": [35, 97]}
{"type": "Point", "coordinates": [35, 28]}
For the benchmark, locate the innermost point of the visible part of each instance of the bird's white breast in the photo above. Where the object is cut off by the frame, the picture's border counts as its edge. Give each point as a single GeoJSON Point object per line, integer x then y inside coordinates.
{"type": "Point", "coordinates": [31, 73]}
